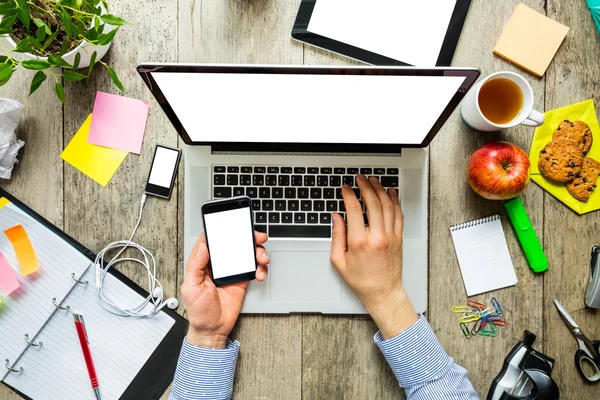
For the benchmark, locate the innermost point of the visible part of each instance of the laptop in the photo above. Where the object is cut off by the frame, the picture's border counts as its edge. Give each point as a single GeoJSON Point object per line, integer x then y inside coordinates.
{"type": "Point", "coordinates": [288, 137]}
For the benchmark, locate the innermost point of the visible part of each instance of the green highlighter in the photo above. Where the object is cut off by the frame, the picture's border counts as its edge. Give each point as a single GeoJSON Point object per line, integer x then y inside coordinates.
{"type": "Point", "coordinates": [529, 242]}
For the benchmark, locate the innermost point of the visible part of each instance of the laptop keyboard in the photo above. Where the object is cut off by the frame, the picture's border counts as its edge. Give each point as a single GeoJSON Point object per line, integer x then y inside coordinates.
{"type": "Point", "coordinates": [295, 202]}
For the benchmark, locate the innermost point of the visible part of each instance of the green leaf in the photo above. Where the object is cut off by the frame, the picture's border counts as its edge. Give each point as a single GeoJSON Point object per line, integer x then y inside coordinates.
{"type": "Point", "coordinates": [23, 46]}
{"type": "Point", "coordinates": [41, 24]}
{"type": "Point", "coordinates": [7, 8]}
{"type": "Point", "coordinates": [113, 20]}
{"type": "Point", "coordinates": [49, 40]}
{"type": "Point", "coordinates": [92, 62]}
{"type": "Point", "coordinates": [34, 42]}
{"type": "Point", "coordinates": [81, 27]}
{"type": "Point", "coordinates": [115, 78]}
{"type": "Point", "coordinates": [37, 80]}
{"type": "Point", "coordinates": [7, 22]}
{"type": "Point", "coordinates": [91, 35]}
{"type": "Point", "coordinates": [70, 28]}
{"type": "Point", "coordinates": [64, 47]}
{"type": "Point", "coordinates": [3, 59]}
{"type": "Point", "coordinates": [72, 75]}
{"type": "Point", "coordinates": [23, 13]}
{"type": "Point", "coordinates": [6, 70]}
{"type": "Point", "coordinates": [40, 35]}
{"type": "Point", "coordinates": [35, 65]}
{"type": "Point", "coordinates": [60, 92]}
{"type": "Point", "coordinates": [106, 38]}
{"type": "Point", "coordinates": [58, 61]}
{"type": "Point", "coordinates": [76, 62]}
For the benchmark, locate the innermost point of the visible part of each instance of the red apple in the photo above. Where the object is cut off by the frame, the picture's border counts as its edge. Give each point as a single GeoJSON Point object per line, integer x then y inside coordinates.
{"type": "Point", "coordinates": [499, 171]}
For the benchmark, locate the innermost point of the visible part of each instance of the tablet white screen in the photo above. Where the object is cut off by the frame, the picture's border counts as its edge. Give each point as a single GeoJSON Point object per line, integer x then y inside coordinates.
{"type": "Point", "coordinates": [411, 31]}
{"type": "Point", "coordinates": [297, 108]}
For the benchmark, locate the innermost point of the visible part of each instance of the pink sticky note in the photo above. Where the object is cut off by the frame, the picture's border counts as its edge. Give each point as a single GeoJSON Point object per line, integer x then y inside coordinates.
{"type": "Point", "coordinates": [8, 278]}
{"type": "Point", "coordinates": [118, 122]}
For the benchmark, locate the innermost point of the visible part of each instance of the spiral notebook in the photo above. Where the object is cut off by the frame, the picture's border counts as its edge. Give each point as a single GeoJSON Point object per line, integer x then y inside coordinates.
{"type": "Point", "coordinates": [39, 348]}
{"type": "Point", "coordinates": [483, 256]}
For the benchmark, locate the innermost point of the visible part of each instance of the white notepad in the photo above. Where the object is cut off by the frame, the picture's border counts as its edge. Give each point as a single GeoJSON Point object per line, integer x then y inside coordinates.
{"type": "Point", "coordinates": [483, 255]}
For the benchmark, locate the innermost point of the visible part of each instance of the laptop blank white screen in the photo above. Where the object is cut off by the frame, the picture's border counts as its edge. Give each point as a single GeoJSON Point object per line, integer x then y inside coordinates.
{"type": "Point", "coordinates": [296, 108]}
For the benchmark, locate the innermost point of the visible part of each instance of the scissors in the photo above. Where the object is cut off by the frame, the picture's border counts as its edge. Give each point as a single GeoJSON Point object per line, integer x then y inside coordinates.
{"type": "Point", "coordinates": [589, 350]}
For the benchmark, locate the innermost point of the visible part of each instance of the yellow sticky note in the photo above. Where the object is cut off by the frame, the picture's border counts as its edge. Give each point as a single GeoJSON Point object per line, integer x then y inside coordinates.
{"type": "Point", "coordinates": [4, 201]}
{"type": "Point", "coordinates": [586, 112]}
{"type": "Point", "coordinates": [530, 40]}
{"type": "Point", "coordinates": [23, 249]}
{"type": "Point", "coordinates": [97, 162]}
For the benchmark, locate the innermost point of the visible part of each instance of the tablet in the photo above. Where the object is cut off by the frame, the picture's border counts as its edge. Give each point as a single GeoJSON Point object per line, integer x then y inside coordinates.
{"type": "Point", "coordinates": [422, 33]}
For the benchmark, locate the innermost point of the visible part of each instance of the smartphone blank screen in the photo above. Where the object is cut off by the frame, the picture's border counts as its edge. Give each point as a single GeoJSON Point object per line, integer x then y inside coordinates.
{"type": "Point", "coordinates": [230, 242]}
{"type": "Point", "coordinates": [163, 167]}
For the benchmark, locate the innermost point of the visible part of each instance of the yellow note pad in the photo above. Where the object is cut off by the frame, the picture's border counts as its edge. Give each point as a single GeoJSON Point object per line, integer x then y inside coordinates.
{"type": "Point", "coordinates": [530, 40]}
{"type": "Point", "coordinates": [97, 162]}
{"type": "Point", "coordinates": [586, 112]}
{"type": "Point", "coordinates": [23, 249]}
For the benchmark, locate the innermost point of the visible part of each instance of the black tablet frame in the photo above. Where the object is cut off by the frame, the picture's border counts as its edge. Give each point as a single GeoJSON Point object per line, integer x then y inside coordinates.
{"type": "Point", "coordinates": [300, 32]}
{"type": "Point", "coordinates": [146, 69]}
{"type": "Point", "coordinates": [156, 375]}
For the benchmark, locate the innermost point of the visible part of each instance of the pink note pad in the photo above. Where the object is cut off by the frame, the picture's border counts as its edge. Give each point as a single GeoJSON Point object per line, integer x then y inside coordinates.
{"type": "Point", "coordinates": [8, 278]}
{"type": "Point", "coordinates": [118, 122]}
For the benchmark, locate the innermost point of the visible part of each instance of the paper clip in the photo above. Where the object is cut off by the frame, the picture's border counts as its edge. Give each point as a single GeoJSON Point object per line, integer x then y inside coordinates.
{"type": "Point", "coordinates": [470, 318]}
{"type": "Point", "coordinates": [487, 312]}
{"type": "Point", "coordinates": [487, 333]}
{"type": "Point", "coordinates": [465, 330]}
{"type": "Point", "coordinates": [498, 322]}
{"type": "Point", "coordinates": [478, 326]}
{"type": "Point", "coordinates": [492, 317]}
{"type": "Point", "coordinates": [461, 309]}
{"type": "Point", "coordinates": [475, 304]}
{"type": "Point", "coordinates": [496, 305]}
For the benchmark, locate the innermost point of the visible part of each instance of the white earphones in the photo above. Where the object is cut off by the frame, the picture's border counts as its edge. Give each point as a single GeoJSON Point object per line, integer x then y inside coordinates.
{"type": "Point", "coordinates": [153, 303]}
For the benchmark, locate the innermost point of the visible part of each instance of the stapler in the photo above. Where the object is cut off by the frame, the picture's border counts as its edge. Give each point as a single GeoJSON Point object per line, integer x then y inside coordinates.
{"type": "Point", "coordinates": [592, 295]}
{"type": "Point", "coordinates": [525, 375]}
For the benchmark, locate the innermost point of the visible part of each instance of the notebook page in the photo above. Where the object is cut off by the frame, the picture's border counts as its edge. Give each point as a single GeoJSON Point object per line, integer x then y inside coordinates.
{"type": "Point", "coordinates": [483, 255]}
{"type": "Point", "coordinates": [120, 347]}
{"type": "Point", "coordinates": [28, 308]}
{"type": "Point", "coordinates": [406, 30]}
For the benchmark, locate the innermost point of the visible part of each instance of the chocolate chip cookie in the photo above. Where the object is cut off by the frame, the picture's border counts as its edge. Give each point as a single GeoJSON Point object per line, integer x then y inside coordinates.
{"type": "Point", "coordinates": [576, 131]}
{"type": "Point", "coordinates": [585, 180]}
{"type": "Point", "coordinates": [561, 160]}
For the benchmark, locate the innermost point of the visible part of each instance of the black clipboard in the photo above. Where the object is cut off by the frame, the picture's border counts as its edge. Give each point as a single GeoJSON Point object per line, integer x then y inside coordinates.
{"type": "Point", "coordinates": [300, 32]}
{"type": "Point", "coordinates": [157, 373]}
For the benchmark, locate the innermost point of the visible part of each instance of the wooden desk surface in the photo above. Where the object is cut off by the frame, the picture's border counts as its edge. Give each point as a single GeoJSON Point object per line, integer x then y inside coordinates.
{"type": "Point", "coordinates": [314, 356]}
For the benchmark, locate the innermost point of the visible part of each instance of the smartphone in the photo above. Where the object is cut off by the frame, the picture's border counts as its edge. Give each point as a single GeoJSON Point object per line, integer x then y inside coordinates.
{"type": "Point", "coordinates": [229, 234]}
{"type": "Point", "coordinates": [163, 171]}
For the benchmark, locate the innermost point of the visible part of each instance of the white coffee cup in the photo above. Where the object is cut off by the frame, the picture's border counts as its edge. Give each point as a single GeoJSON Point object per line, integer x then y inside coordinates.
{"type": "Point", "coordinates": [473, 117]}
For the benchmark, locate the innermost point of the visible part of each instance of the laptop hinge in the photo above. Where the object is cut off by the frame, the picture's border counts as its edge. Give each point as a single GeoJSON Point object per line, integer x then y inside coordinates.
{"type": "Point", "coordinates": [275, 153]}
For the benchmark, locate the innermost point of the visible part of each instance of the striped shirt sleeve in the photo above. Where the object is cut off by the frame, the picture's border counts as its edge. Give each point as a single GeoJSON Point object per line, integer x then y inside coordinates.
{"type": "Point", "coordinates": [205, 373]}
{"type": "Point", "coordinates": [422, 367]}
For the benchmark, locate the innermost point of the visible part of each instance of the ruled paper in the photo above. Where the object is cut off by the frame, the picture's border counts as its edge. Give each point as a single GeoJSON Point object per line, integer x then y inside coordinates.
{"type": "Point", "coordinates": [120, 347]}
{"type": "Point", "coordinates": [26, 310]}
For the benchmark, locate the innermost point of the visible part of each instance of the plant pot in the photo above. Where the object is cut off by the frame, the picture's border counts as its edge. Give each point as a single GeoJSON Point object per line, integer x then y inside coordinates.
{"type": "Point", "coordinates": [84, 48]}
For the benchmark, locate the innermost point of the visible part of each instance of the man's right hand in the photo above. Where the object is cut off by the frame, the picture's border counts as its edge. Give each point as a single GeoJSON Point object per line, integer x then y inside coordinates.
{"type": "Point", "coordinates": [369, 259]}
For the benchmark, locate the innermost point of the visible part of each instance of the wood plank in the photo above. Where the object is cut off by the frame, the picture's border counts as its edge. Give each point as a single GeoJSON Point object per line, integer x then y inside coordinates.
{"type": "Point", "coordinates": [110, 213]}
{"type": "Point", "coordinates": [254, 32]}
{"type": "Point", "coordinates": [37, 179]}
{"type": "Point", "coordinates": [339, 358]}
{"type": "Point", "coordinates": [452, 201]}
{"type": "Point", "coordinates": [573, 76]}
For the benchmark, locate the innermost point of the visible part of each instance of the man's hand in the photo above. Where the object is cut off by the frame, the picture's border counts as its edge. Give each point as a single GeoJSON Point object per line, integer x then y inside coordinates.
{"type": "Point", "coordinates": [369, 259]}
{"type": "Point", "coordinates": [213, 311]}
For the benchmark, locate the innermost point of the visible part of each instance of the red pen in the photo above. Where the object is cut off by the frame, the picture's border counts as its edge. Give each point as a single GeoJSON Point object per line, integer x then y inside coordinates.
{"type": "Point", "coordinates": [87, 354]}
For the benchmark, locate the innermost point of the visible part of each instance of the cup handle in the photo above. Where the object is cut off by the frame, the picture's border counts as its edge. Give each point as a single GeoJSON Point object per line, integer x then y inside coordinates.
{"type": "Point", "coordinates": [535, 118]}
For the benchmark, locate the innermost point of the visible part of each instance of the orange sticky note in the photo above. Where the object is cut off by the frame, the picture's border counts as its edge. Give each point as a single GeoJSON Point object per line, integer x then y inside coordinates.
{"type": "Point", "coordinates": [530, 40]}
{"type": "Point", "coordinates": [8, 279]}
{"type": "Point", "coordinates": [23, 249]}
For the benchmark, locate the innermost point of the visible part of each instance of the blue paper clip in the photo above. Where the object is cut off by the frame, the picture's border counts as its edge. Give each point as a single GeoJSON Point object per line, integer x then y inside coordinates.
{"type": "Point", "coordinates": [496, 305]}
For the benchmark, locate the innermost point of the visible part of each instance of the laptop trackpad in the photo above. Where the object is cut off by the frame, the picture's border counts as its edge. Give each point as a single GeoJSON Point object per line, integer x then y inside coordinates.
{"type": "Point", "coordinates": [303, 277]}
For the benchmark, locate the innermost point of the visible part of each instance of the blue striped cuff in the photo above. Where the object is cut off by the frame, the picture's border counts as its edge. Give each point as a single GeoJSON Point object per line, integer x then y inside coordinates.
{"type": "Point", "coordinates": [205, 373]}
{"type": "Point", "coordinates": [415, 355]}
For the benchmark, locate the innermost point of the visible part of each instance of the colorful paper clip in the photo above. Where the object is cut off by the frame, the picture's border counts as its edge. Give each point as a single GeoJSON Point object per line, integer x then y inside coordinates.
{"type": "Point", "coordinates": [478, 326]}
{"type": "Point", "coordinates": [498, 322]}
{"type": "Point", "coordinates": [487, 311]}
{"type": "Point", "coordinates": [470, 318]}
{"type": "Point", "coordinates": [487, 333]}
{"type": "Point", "coordinates": [461, 309]}
{"type": "Point", "coordinates": [475, 304]}
{"type": "Point", "coordinates": [465, 330]}
{"type": "Point", "coordinates": [496, 305]}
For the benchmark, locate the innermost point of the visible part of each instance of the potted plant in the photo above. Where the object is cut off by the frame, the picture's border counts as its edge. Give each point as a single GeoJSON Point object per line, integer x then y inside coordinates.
{"type": "Point", "coordinates": [70, 34]}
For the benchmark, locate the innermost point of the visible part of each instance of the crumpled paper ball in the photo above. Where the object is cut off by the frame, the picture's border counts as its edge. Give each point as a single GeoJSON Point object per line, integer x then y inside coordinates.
{"type": "Point", "coordinates": [9, 144]}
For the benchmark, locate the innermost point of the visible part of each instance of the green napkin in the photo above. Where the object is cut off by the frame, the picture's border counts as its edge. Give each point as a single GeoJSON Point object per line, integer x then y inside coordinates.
{"type": "Point", "coordinates": [585, 112]}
